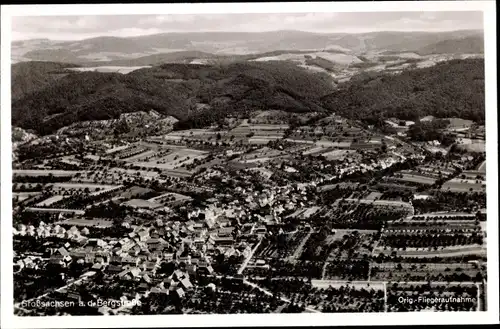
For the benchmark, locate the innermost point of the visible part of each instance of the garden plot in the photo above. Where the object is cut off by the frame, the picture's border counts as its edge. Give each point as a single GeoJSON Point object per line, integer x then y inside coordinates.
{"type": "Point", "coordinates": [117, 149]}
{"type": "Point", "coordinates": [114, 175]}
{"type": "Point", "coordinates": [175, 159]}
{"type": "Point", "coordinates": [61, 187]}
{"type": "Point", "coordinates": [169, 198]}
{"type": "Point", "coordinates": [70, 160]}
{"type": "Point", "coordinates": [337, 154]}
{"type": "Point", "coordinates": [339, 284]}
{"type": "Point", "coordinates": [259, 132]}
{"type": "Point", "coordinates": [304, 213]}
{"type": "Point", "coordinates": [424, 271]}
{"type": "Point", "coordinates": [431, 238]}
{"type": "Point", "coordinates": [435, 170]}
{"type": "Point", "coordinates": [282, 246]}
{"type": "Point", "coordinates": [314, 150]}
{"type": "Point", "coordinates": [350, 244]}
{"type": "Point", "coordinates": [261, 155]}
{"type": "Point", "coordinates": [327, 143]}
{"type": "Point", "coordinates": [478, 146]}
{"type": "Point", "coordinates": [140, 155]}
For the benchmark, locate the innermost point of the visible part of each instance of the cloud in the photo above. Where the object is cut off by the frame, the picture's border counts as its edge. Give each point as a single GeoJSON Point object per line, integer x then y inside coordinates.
{"type": "Point", "coordinates": [81, 27]}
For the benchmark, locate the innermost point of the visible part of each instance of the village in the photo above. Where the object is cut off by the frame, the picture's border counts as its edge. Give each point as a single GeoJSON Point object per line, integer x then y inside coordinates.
{"type": "Point", "coordinates": [272, 213]}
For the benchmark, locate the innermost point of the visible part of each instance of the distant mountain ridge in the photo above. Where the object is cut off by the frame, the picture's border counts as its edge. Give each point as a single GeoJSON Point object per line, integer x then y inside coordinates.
{"type": "Point", "coordinates": [201, 95]}
{"type": "Point", "coordinates": [171, 89]}
{"type": "Point", "coordinates": [240, 43]}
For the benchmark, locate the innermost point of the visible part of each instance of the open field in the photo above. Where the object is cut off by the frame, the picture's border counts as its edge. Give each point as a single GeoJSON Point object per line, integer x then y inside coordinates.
{"type": "Point", "coordinates": [48, 172]}
{"type": "Point", "coordinates": [461, 185]}
{"type": "Point", "coordinates": [51, 200]}
{"type": "Point", "coordinates": [117, 149]}
{"type": "Point", "coordinates": [168, 198]}
{"type": "Point", "coordinates": [145, 153]}
{"type": "Point", "coordinates": [21, 196]}
{"type": "Point", "coordinates": [337, 154]}
{"type": "Point", "coordinates": [139, 203]}
{"type": "Point", "coordinates": [479, 147]}
{"type": "Point", "coordinates": [261, 155]}
{"type": "Point", "coordinates": [175, 159]}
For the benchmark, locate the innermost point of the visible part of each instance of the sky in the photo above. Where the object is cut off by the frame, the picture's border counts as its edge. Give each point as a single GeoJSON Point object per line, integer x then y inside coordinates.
{"type": "Point", "coordinates": [83, 27]}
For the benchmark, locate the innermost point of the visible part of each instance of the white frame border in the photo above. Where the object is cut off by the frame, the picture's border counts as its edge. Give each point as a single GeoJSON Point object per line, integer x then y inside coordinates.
{"type": "Point", "coordinates": [305, 319]}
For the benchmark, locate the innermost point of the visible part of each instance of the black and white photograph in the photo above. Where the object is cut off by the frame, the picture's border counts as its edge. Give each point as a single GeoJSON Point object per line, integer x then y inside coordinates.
{"type": "Point", "coordinates": [273, 161]}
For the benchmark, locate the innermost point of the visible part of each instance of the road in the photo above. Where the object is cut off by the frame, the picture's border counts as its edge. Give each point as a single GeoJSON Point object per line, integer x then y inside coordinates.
{"type": "Point", "coordinates": [327, 283]}
{"type": "Point", "coordinates": [247, 260]}
{"type": "Point", "coordinates": [83, 277]}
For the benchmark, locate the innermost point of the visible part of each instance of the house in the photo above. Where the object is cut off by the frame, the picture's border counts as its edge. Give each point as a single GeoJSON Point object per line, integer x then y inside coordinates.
{"type": "Point", "coordinates": [150, 267]}
{"type": "Point", "coordinates": [191, 269]}
{"type": "Point", "coordinates": [180, 292]}
{"type": "Point", "coordinates": [179, 275]}
{"type": "Point", "coordinates": [85, 231]}
{"type": "Point", "coordinates": [57, 262]}
{"type": "Point", "coordinates": [156, 243]}
{"type": "Point", "coordinates": [223, 241]}
{"type": "Point", "coordinates": [185, 259]}
{"type": "Point", "coordinates": [18, 266]}
{"type": "Point", "coordinates": [129, 260]}
{"type": "Point", "coordinates": [74, 231]}
{"type": "Point", "coordinates": [96, 243]}
{"type": "Point", "coordinates": [168, 257]}
{"type": "Point", "coordinates": [64, 254]}
{"type": "Point", "coordinates": [147, 278]}
{"type": "Point", "coordinates": [143, 287]}
{"type": "Point", "coordinates": [114, 269]}
{"type": "Point", "coordinates": [97, 267]}
{"type": "Point", "coordinates": [115, 259]}
{"type": "Point", "coordinates": [186, 284]}
{"type": "Point", "coordinates": [143, 235]}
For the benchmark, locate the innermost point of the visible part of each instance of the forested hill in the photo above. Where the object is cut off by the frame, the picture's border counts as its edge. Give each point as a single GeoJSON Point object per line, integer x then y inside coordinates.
{"type": "Point", "coordinates": [449, 89]}
{"type": "Point", "coordinates": [28, 77]}
{"type": "Point", "coordinates": [197, 95]}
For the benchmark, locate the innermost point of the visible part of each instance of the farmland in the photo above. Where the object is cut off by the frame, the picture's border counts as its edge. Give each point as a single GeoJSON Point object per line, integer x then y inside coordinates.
{"type": "Point", "coordinates": [359, 214]}
{"type": "Point", "coordinates": [440, 272]}
{"type": "Point", "coordinates": [433, 235]}
{"type": "Point", "coordinates": [282, 245]}
{"type": "Point", "coordinates": [464, 185]}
